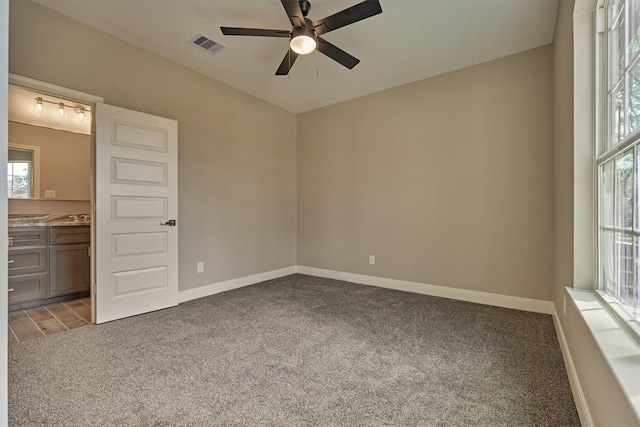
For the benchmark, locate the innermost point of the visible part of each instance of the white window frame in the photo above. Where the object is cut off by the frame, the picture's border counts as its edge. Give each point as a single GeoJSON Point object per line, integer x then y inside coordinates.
{"type": "Point", "coordinates": [35, 166]}
{"type": "Point", "coordinates": [605, 153]}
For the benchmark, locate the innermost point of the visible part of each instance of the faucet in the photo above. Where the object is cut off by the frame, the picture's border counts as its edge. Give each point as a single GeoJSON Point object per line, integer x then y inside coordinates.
{"type": "Point", "coordinates": [74, 218]}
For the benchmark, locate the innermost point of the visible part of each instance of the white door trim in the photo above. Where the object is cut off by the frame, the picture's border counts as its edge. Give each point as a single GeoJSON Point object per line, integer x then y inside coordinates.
{"type": "Point", "coordinates": [4, 134]}
{"type": "Point", "coordinates": [51, 89]}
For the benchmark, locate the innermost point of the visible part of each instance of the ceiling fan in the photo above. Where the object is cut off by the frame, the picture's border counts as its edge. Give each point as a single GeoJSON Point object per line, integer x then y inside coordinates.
{"type": "Point", "coordinates": [305, 35]}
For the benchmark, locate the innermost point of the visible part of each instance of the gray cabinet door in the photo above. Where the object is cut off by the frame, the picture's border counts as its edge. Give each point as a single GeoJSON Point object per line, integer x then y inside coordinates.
{"type": "Point", "coordinates": [68, 269]}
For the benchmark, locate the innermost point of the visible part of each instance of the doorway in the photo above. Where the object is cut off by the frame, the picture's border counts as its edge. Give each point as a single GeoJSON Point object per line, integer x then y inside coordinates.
{"type": "Point", "coordinates": [50, 189]}
{"type": "Point", "coordinates": [133, 203]}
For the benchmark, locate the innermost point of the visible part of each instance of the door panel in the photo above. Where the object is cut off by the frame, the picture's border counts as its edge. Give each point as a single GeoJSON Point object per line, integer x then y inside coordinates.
{"type": "Point", "coordinates": [136, 192]}
{"type": "Point", "coordinates": [136, 172]}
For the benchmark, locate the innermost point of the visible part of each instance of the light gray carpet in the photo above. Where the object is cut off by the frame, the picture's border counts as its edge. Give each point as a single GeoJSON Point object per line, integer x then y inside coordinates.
{"type": "Point", "coordinates": [299, 351]}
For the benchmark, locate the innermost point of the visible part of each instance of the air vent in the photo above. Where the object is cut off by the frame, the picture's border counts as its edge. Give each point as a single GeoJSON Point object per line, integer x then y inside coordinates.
{"type": "Point", "coordinates": [207, 43]}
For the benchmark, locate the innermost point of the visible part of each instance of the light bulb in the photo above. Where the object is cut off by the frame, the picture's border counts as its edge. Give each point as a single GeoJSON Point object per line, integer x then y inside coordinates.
{"type": "Point", "coordinates": [80, 113]}
{"type": "Point", "coordinates": [303, 40]}
{"type": "Point", "coordinates": [61, 109]}
{"type": "Point", "coordinates": [39, 105]}
{"type": "Point", "coordinates": [303, 45]}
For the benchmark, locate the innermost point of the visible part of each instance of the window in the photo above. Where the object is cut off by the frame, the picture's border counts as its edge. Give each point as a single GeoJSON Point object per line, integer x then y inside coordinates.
{"type": "Point", "coordinates": [619, 163]}
{"type": "Point", "coordinates": [19, 179]}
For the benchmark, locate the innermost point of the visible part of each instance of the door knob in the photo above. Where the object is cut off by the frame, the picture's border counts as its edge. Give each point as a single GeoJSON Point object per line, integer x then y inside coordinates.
{"type": "Point", "coordinates": [170, 223]}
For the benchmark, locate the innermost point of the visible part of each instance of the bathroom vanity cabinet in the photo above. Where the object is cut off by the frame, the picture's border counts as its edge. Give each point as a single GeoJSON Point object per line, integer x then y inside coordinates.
{"type": "Point", "coordinates": [48, 264]}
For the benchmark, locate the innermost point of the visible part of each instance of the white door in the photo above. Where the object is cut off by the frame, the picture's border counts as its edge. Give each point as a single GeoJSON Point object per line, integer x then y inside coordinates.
{"type": "Point", "coordinates": [136, 202]}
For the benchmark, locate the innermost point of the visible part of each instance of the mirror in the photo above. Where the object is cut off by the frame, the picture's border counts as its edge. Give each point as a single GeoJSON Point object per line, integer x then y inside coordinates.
{"type": "Point", "coordinates": [47, 163]}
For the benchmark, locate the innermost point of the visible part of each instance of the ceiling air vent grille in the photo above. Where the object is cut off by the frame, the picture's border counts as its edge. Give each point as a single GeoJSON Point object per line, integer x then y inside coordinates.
{"type": "Point", "coordinates": [206, 43]}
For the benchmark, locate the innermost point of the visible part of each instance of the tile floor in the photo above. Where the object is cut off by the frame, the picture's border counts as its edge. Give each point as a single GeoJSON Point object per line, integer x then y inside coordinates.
{"type": "Point", "coordinates": [49, 319]}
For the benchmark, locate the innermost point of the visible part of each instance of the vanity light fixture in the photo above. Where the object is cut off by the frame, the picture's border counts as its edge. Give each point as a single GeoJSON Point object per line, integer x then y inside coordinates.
{"type": "Point", "coordinates": [80, 110]}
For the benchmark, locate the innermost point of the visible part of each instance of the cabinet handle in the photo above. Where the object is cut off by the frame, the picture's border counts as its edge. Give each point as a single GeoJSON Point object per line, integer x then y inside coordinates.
{"type": "Point", "coordinates": [11, 261]}
{"type": "Point", "coordinates": [10, 290]}
{"type": "Point", "coordinates": [10, 241]}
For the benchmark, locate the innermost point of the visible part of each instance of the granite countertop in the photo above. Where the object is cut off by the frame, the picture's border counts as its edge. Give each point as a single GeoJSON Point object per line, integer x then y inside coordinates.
{"type": "Point", "coordinates": [48, 220]}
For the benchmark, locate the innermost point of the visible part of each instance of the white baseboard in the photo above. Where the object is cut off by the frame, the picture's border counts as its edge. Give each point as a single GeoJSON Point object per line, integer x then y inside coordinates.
{"type": "Point", "coordinates": [576, 388]}
{"type": "Point", "coordinates": [227, 285]}
{"type": "Point", "coordinates": [518, 303]}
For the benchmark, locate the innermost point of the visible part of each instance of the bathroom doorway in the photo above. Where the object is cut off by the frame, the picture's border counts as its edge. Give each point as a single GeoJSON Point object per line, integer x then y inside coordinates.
{"type": "Point", "coordinates": [134, 190]}
{"type": "Point", "coordinates": [50, 190]}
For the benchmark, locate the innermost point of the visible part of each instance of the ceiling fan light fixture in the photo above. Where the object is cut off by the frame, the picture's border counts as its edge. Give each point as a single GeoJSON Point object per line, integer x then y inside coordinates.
{"type": "Point", "coordinates": [303, 40]}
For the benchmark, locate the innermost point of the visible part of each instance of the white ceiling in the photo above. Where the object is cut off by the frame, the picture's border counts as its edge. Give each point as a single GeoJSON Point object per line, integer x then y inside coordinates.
{"type": "Point", "coordinates": [410, 41]}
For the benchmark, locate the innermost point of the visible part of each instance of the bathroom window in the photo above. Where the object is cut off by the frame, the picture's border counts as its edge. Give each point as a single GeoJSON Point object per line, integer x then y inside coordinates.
{"type": "Point", "coordinates": [23, 171]}
{"type": "Point", "coordinates": [19, 179]}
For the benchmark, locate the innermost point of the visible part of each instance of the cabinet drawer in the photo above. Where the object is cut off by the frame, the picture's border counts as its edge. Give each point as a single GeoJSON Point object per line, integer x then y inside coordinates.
{"type": "Point", "coordinates": [74, 234]}
{"type": "Point", "coordinates": [26, 288]}
{"type": "Point", "coordinates": [27, 261]}
{"type": "Point", "coordinates": [28, 237]}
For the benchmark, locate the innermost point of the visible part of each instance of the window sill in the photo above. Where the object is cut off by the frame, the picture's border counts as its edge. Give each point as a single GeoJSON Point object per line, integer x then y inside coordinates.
{"type": "Point", "coordinates": [620, 349]}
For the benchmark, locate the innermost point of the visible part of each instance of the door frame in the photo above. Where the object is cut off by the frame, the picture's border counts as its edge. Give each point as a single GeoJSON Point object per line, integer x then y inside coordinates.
{"type": "Point", "coordinates": [85, 98]}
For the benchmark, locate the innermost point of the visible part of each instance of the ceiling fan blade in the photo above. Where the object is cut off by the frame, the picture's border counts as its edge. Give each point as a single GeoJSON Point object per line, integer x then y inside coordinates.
{"type": "Point", "coordinates": [232, 31]}
{"type": "Point", "coordinates": [360, 11]}
{"type": "Point", "coordinates": [287, 63]}
{"type": "Point", "coordinates": [294, 12]}
{"type": "Point", "coordinates": [337, 54]}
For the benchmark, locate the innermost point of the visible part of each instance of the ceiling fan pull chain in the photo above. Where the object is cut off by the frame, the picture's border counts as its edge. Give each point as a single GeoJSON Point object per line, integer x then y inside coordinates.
{"type": "Point", "coordinates": [289, 56]}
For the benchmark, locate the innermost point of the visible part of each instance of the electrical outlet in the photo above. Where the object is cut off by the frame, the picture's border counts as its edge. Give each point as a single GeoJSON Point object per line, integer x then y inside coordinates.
{"type": "Point", "coordinates": [200, 267]}
{"type": "Point", "coordinates": [49, 194]}
{"type": "Point", "coordinates": [372, 259]}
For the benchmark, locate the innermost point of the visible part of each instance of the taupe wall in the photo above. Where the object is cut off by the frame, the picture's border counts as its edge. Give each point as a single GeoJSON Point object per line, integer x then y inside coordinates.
{"type": "Point", "coordinates": [65, 159]}
{"type": "Point", "coordinates": [237, 186]}
{"type": "Point", "coordinates": [447, 181]}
